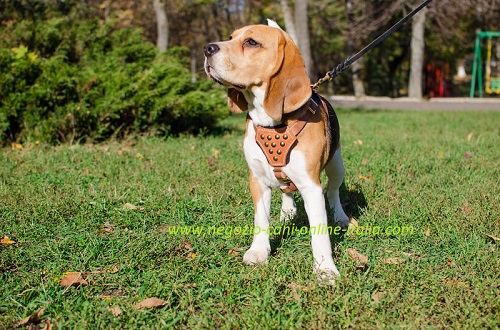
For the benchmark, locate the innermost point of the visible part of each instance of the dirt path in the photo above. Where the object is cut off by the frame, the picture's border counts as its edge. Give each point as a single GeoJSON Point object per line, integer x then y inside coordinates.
{"type": "Point", "coordinates": [442, 104]}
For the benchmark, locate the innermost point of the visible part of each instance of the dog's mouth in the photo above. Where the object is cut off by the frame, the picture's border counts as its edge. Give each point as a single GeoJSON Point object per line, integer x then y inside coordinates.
{"type": "Point", "coordinates": [219, 80]}
{"type": "Point", "coordinates": [210, 75]}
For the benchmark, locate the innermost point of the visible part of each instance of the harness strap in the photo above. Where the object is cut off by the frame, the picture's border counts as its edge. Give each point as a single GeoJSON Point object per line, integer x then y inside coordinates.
{"type": "Point", "coordinates": [277, 142]}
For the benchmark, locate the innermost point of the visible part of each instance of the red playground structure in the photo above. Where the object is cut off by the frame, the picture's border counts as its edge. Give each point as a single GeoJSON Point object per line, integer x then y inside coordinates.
{"type": "Point", "coordinates": [437, 80]}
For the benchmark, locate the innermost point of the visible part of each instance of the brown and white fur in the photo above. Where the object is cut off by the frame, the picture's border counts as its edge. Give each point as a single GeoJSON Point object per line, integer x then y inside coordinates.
{"type": "Point", "coordinates": [265, 75]}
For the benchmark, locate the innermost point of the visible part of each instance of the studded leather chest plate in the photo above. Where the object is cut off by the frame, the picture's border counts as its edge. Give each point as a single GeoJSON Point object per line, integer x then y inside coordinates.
{"type": "Point", "coordinates": [276, 143]}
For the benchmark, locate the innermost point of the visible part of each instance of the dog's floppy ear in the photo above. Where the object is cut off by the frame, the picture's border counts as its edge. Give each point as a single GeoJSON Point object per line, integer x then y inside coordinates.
{"type": "Point", "coordinates": [236, 101]}
{"type": "Point", "coordinates": [288, 87]}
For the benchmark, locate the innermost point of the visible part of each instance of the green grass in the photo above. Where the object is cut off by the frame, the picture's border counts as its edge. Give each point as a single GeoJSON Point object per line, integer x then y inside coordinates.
{"type": "Point", "coordinates": [409, 170]}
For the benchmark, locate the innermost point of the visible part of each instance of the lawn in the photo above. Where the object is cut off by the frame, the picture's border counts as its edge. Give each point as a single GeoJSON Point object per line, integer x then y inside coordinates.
{"type": "Point", "coordinates": [105, 210]}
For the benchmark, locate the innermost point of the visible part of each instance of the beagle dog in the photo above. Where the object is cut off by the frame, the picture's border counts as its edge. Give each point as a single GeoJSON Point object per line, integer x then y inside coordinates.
{"type": "Point", "coordinates": [265, 75]}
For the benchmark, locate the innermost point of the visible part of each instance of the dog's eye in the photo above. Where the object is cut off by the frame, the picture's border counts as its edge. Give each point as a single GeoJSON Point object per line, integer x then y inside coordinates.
{"type": "Point", "coordinates": [230, 37]}
{"type": "Point", "coordinates": [252, 43]}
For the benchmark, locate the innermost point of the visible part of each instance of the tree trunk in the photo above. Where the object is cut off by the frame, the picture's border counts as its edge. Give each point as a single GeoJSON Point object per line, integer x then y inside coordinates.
{"type": "Point", "coordinates": [289, 23]}
{"type": "Point", "coordinates": [193, 63]}
{"type": "Point", "coordinates": [302, 30]}
{"type": "Point", "coordinates": [357, 81]}
{"type": "Point", "coordinates": [417, 54]}
{"type": "Point", "coordinates": [106, 5]}
{"type": "Point", "coordinates": [161, 24]}
{"type": "Point", "coordinates": [356, 67]}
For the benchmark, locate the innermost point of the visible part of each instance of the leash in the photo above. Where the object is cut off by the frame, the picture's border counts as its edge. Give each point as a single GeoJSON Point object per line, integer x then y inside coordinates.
{"type": "Point", "coordinates": [350, 60]}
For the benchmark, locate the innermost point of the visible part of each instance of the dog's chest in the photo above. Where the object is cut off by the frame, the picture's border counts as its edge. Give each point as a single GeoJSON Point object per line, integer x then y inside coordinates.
{"type": "Point", "coordinates": [256, 159]}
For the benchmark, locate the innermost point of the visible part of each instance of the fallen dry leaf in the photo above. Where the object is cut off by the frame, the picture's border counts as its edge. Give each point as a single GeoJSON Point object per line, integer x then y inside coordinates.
{"type": "Point", "coordinates": [496, 239]}
{"type": "Point", "coordinates": [163, 228]}
{"type": "Point", "coordinates": [16, 146]}
{"type": "Point", "coordinates": [73, 279]}
{"type": "Point", "coordinates": [366, 178]}
{"type": "Point", "coordinates": [113, 270]}
{"type": "Point", "coordinates": [468, 154]}
{"type": "Point", "coordinates": [236, 250]}
{"type": "Point", "coordinates": [364, 161]}
{"type": "Point", "coordinates": [6, 241]}
{"type": "Point", "coordinates": [360, 259]}
{"type": "Point", "coordinates": [469, 136]}
{"type": "Point", "coordinates": [354, 222]}
{"type": "Point", "coordinates": [358, 142]}
{"type": "Point", "coordinates": [465, 209]}
{"type": "Point", "coordinates": [48, 325]}
{"type": "Point", "coordinates": [185, 246]}
{"type": "Point", "coordinates": [215, 152]}
{"type": "Point", "coordinates": [107, 228]}
{"type": "Point", "coordinates": [377, 296]}
{"type": "Point", "coordinates": [187, 285]}
{"type": "Point", "coordinates": [151, 303]}
{"type": "Point", "coordinates": [491, 248]}
{"type": "Point", "coordinates": [295, 286]}
{"type": "Point", "coordinates": [115, 310]}
{"type": "Point", "coordinates": [210, 161]}
{"type": "Point", "coordinates": [32, 319]}
{"type": "Point", "coordinates": [130, 206]}
{"type": "Point", "coordinates": [450, 263]}
{"type": "Point", "coordinates": [457, 283]}
{"type": "Point", "coordinates": [393, 261]}
{"type": "Point", "coordinates": [427, 233]}
{"type": "Point", "coordinates": [139, 155]}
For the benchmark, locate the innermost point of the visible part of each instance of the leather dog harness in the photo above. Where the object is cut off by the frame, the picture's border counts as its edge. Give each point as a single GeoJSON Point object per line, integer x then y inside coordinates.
{"type": "Point", "coordinates": [277, 142]}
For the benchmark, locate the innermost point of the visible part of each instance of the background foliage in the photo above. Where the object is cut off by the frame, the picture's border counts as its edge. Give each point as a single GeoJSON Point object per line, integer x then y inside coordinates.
{"type": "Point", "coordinates": [66, 79]}
{"type": "Point", "coordinates": [88, 69]}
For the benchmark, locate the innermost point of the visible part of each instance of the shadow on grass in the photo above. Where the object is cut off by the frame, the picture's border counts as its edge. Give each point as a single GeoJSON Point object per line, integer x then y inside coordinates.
{"type": "Point", "coordinates": [221, 130]}
{"type": "Point", "coordinates": [353, 201]}
{"type": "Point", "coordinates": [233, 124]}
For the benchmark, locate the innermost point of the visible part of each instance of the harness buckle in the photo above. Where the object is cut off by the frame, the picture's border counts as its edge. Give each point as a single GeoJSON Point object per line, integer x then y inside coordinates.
{"type": "Point", "coordinates": [313, 108]}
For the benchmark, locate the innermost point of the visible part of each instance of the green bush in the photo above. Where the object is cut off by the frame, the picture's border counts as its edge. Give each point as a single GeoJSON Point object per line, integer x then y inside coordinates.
{"type": "Point", "coordinates": [87, 81]}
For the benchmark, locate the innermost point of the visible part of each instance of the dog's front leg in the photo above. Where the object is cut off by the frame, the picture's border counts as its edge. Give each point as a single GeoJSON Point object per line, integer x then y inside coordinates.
{"type": "Point", "coordinates": [320, 239]}
{"type": "Point", "coordinates": [260, 249]}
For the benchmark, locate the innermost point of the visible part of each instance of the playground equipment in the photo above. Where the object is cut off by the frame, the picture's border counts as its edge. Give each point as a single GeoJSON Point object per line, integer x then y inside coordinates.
{"type": "Point", "coordinates": [437, 80]}
{"type": "Point", "coordinates": [492, 85]}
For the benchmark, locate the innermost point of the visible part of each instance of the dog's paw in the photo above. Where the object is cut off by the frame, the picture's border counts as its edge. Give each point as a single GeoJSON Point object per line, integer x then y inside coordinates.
{"type": "Point", "coordinates": [342, 220]}
{"type": "Point", "coordinates": [254, 256]}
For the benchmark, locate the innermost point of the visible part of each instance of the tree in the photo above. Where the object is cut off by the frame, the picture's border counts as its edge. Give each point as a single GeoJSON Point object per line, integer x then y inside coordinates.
{"type": "Point", "coordinates": [356, 67]}
{"type": "Point", "coordinates": [289, 22]}
{"type": "Point", "coordinates": [161, 24]}
{"type": "Point", "coordinates": [302, 30]}
{"type": "Point", "coordinates": [298, 29]}
{"type": "Point", "coordinates": [417, 54]}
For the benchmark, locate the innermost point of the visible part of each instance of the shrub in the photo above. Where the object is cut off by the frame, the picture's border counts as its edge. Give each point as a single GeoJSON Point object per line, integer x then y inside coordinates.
{"type": "Point", "coordinates": [94, 82]}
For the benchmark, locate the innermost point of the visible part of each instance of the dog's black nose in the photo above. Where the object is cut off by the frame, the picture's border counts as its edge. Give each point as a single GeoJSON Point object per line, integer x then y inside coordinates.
{"type": "Point", "coordinates": [211, 49]}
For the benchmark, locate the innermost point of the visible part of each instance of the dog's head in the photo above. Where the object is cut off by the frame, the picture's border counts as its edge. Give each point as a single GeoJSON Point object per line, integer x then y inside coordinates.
{"type": "Point", "coordinates": [260, 59]}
